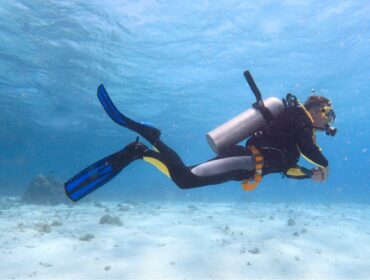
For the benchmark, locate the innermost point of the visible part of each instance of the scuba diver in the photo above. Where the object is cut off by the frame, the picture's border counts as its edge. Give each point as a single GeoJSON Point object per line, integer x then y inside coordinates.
{"type": "Point", "coordinates": [278, 132]}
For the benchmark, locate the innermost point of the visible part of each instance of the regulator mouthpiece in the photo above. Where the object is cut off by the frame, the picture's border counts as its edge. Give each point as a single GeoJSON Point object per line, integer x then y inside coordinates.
{"type": "Point", "coordinates": [331, 131]}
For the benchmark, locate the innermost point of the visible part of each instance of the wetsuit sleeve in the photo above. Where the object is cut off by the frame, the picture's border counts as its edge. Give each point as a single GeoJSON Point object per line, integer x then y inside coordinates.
{"type": "Point", "coordinates": [305, 137]}
{"type": "Point", "coordinates": [308, 148]}
{"type": "Point", "coordinates": [298, 172]}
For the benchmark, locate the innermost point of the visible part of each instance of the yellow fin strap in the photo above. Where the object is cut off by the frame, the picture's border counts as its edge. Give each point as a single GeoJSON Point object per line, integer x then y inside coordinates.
{"type": "Point", "coordinates": [251, 183]}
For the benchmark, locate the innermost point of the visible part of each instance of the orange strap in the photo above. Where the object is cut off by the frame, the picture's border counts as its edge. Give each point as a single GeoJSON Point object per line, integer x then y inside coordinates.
{"type": "Point", "coordinates": [251, 183]}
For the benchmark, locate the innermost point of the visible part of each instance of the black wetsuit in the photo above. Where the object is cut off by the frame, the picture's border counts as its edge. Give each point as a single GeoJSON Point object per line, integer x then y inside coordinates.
{"type": "Point", "coordinates": [280, 144]}
{"type": "Point", "coordinates": [290, 136]}
{"type": "Point", "coordinates": [274, 149]}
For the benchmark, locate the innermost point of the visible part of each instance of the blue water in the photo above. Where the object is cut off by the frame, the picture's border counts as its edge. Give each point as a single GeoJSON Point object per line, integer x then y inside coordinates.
{"type": "Point", "coordinates": [178, 65]}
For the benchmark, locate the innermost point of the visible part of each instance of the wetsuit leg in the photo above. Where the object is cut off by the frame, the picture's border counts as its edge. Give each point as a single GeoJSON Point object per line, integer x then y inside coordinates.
{"type": "Point", "coordinates": [183, 176]}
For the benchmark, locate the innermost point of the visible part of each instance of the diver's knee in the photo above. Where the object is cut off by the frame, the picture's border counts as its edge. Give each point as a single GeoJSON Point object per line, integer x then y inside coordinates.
{"type": "Point", "coordinates": [183, 178]}
{"type": "Point", "coordinates": [183, 184]}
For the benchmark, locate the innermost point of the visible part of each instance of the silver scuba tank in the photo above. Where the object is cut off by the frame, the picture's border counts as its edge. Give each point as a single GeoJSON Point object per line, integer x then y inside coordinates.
{"type": "Point", "coordinates": [242, 126]}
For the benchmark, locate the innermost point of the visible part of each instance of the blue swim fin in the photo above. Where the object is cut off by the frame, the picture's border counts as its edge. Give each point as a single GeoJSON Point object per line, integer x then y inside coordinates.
{"type": "Point", "coordinates": [102, 171]}
{"type": "Point", "coordinates": [109, 107]}
{"type": "Point", "coordinates": [95, 176]}
{"type": "Point", "coordinates": [149, 132]}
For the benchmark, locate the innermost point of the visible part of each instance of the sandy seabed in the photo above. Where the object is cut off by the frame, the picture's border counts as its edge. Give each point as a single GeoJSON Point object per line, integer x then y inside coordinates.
{"type": "Point", "coordinates": [184, 240]}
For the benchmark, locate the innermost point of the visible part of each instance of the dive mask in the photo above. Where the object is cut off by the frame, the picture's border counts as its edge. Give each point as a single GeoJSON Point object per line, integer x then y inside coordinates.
{"type": "Point", "coordinates": [329, 114]}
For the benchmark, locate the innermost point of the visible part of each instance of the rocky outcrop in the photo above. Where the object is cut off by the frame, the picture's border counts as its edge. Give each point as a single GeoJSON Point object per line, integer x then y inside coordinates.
{"type": "Point", "coordinates": [45, 190]}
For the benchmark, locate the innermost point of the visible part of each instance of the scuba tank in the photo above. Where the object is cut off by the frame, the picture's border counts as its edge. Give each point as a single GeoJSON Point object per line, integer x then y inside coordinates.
{"type": "Point", "coordinates": [243, 125]}
{"type": "Point", "coordinates": [262, 113]}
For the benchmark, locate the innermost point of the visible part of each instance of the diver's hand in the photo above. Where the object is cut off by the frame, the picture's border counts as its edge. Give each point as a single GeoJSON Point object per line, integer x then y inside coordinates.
{"type": "Point", "coordinates": [320, 174]}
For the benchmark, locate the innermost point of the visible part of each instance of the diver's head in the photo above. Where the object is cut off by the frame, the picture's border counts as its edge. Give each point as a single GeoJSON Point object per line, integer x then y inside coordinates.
{"type": "Point", "coordinates": [322, 113]}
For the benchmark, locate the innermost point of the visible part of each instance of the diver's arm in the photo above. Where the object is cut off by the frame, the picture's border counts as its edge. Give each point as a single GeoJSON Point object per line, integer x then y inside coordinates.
{"type": "Point", "coordinates": [308, 148]}
{"type": "Point", "coordinates": [311, 152]}
{"type": "Point", "coordinates": [298, 172]}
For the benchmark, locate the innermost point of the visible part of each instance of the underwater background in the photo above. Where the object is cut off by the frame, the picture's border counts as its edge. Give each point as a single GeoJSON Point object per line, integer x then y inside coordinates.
{"type": "Point", "coordinates": [177, 65]}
